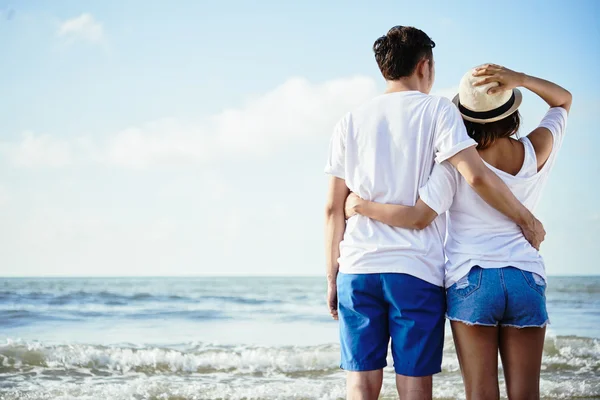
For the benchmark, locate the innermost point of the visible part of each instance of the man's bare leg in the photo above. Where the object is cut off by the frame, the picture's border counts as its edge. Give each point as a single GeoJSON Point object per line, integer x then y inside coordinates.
{"type": "Point", "coordinates": [364, 385]}
{"type": "Point", "coordinates": [414, 388]}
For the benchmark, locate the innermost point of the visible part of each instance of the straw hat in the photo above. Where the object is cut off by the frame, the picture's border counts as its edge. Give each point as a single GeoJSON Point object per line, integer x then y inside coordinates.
{"type": "Point", "coordinates": [476, 105]}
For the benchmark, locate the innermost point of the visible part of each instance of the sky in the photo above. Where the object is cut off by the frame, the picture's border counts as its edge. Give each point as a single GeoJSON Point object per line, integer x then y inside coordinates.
{"type": "Point", "coordinates": [190, 137]}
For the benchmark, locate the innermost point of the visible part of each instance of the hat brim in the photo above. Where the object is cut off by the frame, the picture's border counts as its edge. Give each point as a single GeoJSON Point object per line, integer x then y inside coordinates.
{"type": "Point", "coordinates": [518, 101]}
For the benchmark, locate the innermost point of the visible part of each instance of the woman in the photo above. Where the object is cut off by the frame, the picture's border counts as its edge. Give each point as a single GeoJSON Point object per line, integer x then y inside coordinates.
{"type": "Point", "coordinates": [495, 279]}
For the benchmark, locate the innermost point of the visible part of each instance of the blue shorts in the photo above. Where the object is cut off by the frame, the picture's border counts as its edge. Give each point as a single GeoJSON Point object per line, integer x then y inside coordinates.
{"type": "Point", "coordinates": [376, 307]}
{"type": "Point", "coordinates": [498, 296]}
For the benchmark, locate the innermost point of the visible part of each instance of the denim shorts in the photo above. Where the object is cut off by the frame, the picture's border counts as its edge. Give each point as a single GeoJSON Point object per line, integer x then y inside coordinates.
{"type": "Point", "coordinates": [498, 296]}
{"type": "Point", "coordinates": [373, 308]}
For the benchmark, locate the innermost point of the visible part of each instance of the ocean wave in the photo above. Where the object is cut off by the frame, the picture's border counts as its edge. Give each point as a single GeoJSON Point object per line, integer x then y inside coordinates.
{"type": "Point", "coordinates": [112, 298]}
{"type": "Point", "coordinates": [21, 309]}
{"type": "Point", "coordinates": [561, 353]}
{"type": "Point", "coordinates": [17, 317]}
{"type": "Point", "coordinates": [157, 388]}
{"type": "Point", "coordinates": [572, 353]}
{"type": "Point", "coordinates": [17, 356]}
{"type": "Point", "coordinates": [80, 296]}
{"type": "Point", "coordinates": [178, 388]}
{"type": "Point", "coordinates": [209, 371]}
{"type": "Point", "coordinates": [25, 316]}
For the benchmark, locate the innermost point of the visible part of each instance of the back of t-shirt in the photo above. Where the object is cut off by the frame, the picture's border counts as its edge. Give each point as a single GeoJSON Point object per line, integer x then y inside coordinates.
{"type": "Point", "coordinates": [385, 150]}
{"type": "Point", "coordinates": [477, 233]}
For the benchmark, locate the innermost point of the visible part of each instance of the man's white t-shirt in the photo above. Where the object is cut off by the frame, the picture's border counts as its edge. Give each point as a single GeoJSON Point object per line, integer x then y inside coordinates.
{"type": "Point", "coordinates": [385, 151]}
{"type": "Point", "coordinates": [477, 233]}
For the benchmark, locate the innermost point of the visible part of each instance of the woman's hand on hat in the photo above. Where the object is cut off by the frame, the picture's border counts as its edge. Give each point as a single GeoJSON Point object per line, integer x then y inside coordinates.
{"type": "Point", "coordinates": [507, 78]}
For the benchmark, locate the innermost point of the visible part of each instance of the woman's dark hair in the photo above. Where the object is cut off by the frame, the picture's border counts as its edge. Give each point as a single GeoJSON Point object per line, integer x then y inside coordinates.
{"type": "Point", "coordinates": [486, 134]}
{"type": "Point", "coordinates": [400, 50]}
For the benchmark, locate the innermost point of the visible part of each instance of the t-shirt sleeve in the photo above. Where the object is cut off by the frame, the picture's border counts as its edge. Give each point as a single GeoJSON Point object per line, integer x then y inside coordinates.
{"type": "Point", "coordinates": [336, 160]}
{"type": "Point", "coordinates": [555, 121]}
{"type": "Point", "coordinates": [438, 192]}
{"type": "Point", "coordinates": [450, 133]}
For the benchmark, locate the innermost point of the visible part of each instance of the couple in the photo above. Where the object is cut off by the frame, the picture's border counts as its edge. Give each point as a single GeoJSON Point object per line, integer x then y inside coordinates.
{"type": "Point", "coordinates": [402, 166]}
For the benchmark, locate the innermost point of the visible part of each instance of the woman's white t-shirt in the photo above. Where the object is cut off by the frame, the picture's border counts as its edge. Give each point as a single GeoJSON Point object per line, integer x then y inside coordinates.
{"type": "Point", "coordinates": [477, 233]}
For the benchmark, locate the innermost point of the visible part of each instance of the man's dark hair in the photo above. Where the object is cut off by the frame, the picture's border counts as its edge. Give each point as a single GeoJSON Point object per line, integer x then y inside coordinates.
{"type": "Point", "coordinates": [400, 50]}
{"type": "Point", "coordinates": [486, 134]}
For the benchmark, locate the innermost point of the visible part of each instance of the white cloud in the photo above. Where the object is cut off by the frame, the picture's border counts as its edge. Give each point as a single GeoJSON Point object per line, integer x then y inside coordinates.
{"type": "Point", "coordinates": [83, 27]}
{"type": "Point", "coordinates": [281, 210]}
{"type": "Point", "coordinates": [293, 111]}
{"type": "Point", "coordinates": [216, 186]}
{"type": "Point", "coordinates": [37, 151]}
{"type": "Point", "coordinates": [159, 142]}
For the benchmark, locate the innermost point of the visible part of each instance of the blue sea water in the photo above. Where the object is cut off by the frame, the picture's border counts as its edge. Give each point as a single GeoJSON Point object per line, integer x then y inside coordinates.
{"type": "Point", "coordinates": [230, 338]}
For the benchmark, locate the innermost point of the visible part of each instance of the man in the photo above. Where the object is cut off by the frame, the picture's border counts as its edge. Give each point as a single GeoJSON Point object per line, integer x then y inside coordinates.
{"type": "Point", "coordinates": [390, 280]}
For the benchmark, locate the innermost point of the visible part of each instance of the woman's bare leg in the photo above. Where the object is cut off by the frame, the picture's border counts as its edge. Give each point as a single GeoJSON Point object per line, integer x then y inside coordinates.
{"type": "Point", "coordinates": [521, 351]}
{"type": "Point", "coordinates": [477, 350]}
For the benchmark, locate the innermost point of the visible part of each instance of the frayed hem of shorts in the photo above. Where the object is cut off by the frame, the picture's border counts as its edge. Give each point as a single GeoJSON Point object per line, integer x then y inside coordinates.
{"type": "Point", "coordinates": [546, 323]}
{"type": "Point", "coordinates": [469, 323]}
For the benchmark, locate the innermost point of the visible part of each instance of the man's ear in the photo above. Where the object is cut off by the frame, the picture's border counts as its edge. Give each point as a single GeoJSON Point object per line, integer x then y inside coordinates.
{"type": "Point", "coordinates": [423, 67]}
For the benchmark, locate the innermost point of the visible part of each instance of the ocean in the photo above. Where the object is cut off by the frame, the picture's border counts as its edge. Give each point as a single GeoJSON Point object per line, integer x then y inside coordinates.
{"type": "Point", "coordinates": [230, 338]}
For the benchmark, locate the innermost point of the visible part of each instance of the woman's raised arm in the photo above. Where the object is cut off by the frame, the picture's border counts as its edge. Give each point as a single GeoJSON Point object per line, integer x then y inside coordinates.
{"type": "Point", "coordinates": [553, 125]}
{"type": "Point", "coordinates": [551, 93]}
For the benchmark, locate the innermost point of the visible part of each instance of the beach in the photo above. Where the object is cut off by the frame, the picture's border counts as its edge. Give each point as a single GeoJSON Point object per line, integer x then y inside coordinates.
{"type": "Point", "coordinates": [231, 338]}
